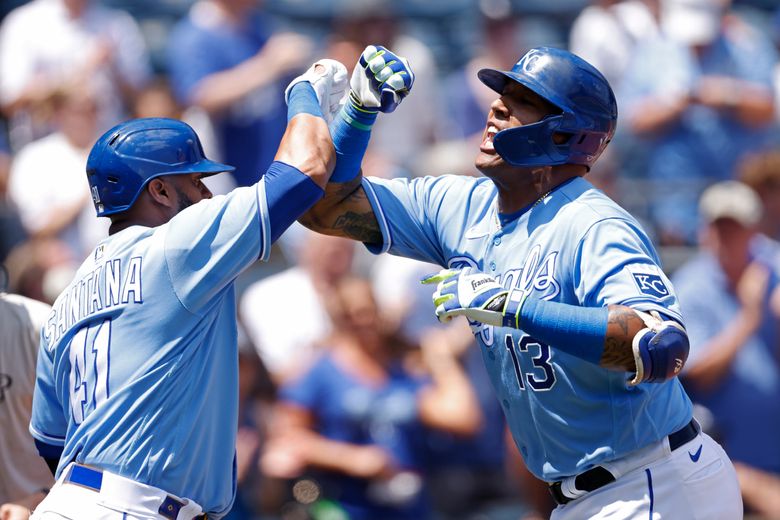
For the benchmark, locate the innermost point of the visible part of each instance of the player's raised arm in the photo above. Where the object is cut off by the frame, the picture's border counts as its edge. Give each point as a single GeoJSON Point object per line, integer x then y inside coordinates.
{"type": "Point", "coordinates": [379, 83]}
{"type": "Point", "coordinates": [616, 337]}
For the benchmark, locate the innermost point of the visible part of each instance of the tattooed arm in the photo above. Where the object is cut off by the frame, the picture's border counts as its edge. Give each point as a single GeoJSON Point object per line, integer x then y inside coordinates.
{"type": "Point", "coordinates": [622, 325]}
{"type": "Point", "coordinates": [615, 337]}
{"type": "Point", "coordinates": [344, 211]}
{"type": "Point", "coordinates": [654, 347]}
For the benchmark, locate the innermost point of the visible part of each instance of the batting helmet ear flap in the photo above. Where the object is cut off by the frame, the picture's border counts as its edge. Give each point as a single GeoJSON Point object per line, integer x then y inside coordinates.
{"type": "Point", "coordinates": [587, 103]}
{"type": "Point", "coordinates": [127, 157]}
{"type": "Point", "coordinates": [532, 145]}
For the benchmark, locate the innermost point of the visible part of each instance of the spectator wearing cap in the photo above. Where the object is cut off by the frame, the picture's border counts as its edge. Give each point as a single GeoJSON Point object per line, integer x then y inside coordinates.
{"type": "Point", "coordinates": [699, 97]}
{"type": "Point", "coordinates": [729, 293]}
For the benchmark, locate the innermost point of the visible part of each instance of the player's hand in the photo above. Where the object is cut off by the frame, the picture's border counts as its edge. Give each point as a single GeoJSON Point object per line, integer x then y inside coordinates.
{"type": "Point", "coordinates": [381, 79]}
{"type": "Point", "coordinates": [660, 349]}
{"type": "Point", "coordinates": [328, 78]}
{"type": "Point", "coordinates": [468, 292]}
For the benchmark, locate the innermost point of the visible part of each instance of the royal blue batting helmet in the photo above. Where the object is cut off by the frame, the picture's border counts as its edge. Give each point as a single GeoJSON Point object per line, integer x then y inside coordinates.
{"type": "Point", "coordinates": [588, 114]}
{"type": "Point", "coordinates": [132, 153]}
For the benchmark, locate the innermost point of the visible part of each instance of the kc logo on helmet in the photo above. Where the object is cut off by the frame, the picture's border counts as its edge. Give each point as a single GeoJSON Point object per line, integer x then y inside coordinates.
{"type": "Point", "coordinates": [651, 284]}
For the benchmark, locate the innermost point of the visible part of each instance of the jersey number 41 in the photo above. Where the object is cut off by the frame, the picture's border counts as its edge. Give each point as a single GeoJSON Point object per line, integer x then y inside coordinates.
{"type": "Point", "coordinates": [89, 368]}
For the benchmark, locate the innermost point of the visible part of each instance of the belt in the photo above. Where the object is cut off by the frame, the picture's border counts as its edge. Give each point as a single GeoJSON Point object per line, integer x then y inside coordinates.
{"type": "Point", "coordinates": [91, 478]}
{"type": "Point", "coordinates": [600, 476]}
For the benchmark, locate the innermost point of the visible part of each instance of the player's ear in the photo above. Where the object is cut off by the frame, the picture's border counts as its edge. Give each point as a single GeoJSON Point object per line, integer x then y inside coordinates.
{"type": "Point", "coordinates": [160, 191]}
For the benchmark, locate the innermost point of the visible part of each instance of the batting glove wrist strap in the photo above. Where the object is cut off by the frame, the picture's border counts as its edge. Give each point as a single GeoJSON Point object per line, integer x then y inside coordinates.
{"type": "Point", "coordinates": [660, 349]}
{"type": "Point", "coordinates": [512, 308]}
{"type": "Point", "coordinates": [350, 131]}
{"type": "Point", "coordinates": [381, 79]}
{"type": "Point", "coordinates": [357, 116]}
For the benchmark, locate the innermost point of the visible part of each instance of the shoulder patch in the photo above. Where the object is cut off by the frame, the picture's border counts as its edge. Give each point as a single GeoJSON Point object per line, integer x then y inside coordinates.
{"type": "Point", "coordinates": [650, 284]}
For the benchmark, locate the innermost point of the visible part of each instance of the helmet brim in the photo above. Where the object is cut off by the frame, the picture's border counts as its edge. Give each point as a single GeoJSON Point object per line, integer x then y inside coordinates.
{"type": "Point", "coordinates": [207, 168]}
{"type": "Point", "coordinates": [497, 79]}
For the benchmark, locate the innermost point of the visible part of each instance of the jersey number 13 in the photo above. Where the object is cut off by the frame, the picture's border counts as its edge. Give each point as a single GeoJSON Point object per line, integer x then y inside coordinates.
{"type": "Point", "coordinates": [542, 376]}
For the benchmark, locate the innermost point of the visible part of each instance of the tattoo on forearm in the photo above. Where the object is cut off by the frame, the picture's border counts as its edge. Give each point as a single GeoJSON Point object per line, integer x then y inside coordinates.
{"type": "Point", "coordinates": [359, 226]}
{"type": "Point", "coordinates": [344, 211]}
{"type": "Point", "coordinates": [622, 326]}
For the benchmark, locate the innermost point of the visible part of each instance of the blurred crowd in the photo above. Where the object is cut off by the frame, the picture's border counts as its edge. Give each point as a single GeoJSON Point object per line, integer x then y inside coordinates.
{"type": "Point", "coordinates": [368, 408]}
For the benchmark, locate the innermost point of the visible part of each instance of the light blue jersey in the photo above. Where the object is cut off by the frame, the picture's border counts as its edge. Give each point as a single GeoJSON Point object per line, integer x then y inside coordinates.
{"type": "Point", "coordinates": [138, 368]}
{"type": "Point", "coordinates": [575, 246]}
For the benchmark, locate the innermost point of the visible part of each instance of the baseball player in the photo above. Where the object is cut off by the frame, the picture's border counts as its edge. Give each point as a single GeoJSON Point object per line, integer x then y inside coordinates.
{"type": "Point", "coordinates": [136, 393]}
{"type": "Point", "coordinates": [24, 478]}
{"type": "Point", "coordinates": [579, 327]}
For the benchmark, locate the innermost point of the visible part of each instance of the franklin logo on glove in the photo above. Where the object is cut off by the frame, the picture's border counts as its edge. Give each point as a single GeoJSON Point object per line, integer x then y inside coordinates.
{"type": "Point", "coordinates": [476, 283]}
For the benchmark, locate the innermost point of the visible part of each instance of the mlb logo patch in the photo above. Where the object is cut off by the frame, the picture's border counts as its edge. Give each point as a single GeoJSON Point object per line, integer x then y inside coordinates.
{"type": "Point", "coordinates": [651, 284]}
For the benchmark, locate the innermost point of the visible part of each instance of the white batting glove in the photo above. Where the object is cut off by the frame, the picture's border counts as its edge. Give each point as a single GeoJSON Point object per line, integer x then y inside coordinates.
{"type": "Point", "coordinates": [381, 79]}
{"type": "Point", "coordinates": [471, 293]}
{"type": "Point", "coordinates": [328, 78]}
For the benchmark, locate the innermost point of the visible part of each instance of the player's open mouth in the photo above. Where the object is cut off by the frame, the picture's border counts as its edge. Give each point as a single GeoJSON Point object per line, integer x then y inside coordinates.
{"type": "Point", "coordinates": [487, 143]}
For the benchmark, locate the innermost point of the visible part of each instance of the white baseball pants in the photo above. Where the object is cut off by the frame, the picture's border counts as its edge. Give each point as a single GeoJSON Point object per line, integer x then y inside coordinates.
{"type": "Point", "coordinates": [694, 482]}
{"type": "Point", "coordinates": [117, 498]}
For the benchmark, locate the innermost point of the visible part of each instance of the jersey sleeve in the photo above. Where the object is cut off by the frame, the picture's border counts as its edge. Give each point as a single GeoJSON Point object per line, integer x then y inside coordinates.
{"type": "Point", "coordinates": [615, 263]}
{"type": "Point", "coordinates": [410, 212]}
{"type": "Point", "coordinates": [208, 244]}
{"type": "Point", "coordinates": [48, 423]}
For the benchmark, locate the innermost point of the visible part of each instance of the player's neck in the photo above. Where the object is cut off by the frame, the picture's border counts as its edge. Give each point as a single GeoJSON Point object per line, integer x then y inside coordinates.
{"type": "Point", "coordinates": [146, 212]}
{"type": "Point", "coordinates": [136, 218]}
{"type": "Point", "coordinates": [521, 189]}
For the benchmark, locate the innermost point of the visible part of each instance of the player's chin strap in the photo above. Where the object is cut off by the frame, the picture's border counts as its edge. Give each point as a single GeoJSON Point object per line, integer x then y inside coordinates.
{"type": "Point", "coordinates": [660, 349]}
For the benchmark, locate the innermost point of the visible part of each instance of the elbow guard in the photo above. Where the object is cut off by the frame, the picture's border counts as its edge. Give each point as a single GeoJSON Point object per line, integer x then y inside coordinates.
{"type": "Point", "coordinates": [660, 349]}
